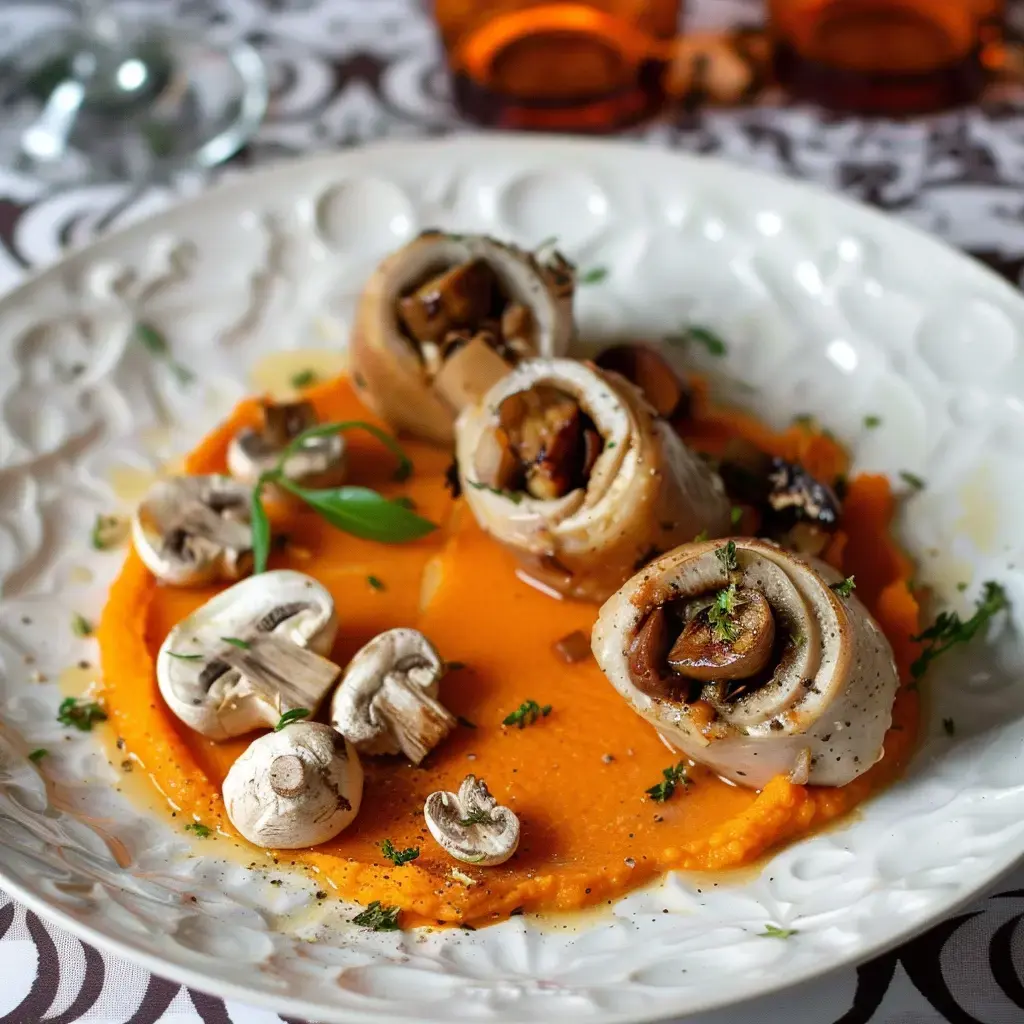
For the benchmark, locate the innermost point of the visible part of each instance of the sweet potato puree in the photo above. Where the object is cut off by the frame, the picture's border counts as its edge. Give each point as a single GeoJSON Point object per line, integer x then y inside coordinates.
{"type": "Point", "coordinates": [577, 777]}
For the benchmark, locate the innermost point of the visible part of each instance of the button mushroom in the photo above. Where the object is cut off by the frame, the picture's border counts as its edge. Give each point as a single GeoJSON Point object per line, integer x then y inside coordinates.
{"type": "Point", "coordinates": [294, 788]}
{"type": "Point", "coordinates": [250, 654]}
{"type": "Point", "coordinates": [446, 316]}
{"type": "Point", "coordinates": [387, 702]}
{"type": "Point", "coordinates": [319, 462]}
{"type": "Point", "coordinates": [471, 825]}
{"type": "Point", "coordinates": [194, 530]}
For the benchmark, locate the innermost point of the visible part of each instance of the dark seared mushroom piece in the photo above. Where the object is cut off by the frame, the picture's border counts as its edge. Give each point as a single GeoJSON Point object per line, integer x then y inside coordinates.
{"type": "Point", "coordinates": [652, 374]}
{"type": "Point", "coordinates": [461, 296]}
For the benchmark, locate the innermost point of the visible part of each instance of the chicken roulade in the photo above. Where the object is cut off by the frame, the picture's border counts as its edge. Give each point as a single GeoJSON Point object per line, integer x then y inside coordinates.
{"type": "Point", "coordinates": [569, 467]}
{"type": "Point", "coordinates": [752, 661]}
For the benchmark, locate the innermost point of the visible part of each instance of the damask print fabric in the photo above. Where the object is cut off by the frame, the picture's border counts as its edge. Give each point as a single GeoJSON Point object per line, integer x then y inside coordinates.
{"type": "Point", "coordinates": [348, 71]}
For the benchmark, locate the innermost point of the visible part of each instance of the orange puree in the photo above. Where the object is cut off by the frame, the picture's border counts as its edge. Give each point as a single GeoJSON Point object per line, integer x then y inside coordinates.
{"type": "Point", "coordinates": [576, 778]}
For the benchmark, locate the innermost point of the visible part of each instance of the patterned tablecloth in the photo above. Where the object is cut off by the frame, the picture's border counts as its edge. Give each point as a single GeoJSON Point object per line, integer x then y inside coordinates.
{"type": "Point", "coordinates": [346, 71]}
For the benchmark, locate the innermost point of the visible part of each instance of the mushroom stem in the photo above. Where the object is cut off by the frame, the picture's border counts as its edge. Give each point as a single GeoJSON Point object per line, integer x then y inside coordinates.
{"type": "Point", "coordinates": [284, 674]}
{"type": "Point", "coordinates": [418, 721]}
{"type": "Point", "coordinates": [287, 776]}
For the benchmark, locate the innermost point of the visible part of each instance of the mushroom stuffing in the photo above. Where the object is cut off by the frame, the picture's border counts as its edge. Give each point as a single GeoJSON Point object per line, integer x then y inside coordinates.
{"type": "Point", "coordinates": [327, 635]}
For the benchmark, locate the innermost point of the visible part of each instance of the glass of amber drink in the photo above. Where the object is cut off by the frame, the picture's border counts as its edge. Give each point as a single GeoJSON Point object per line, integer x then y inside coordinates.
{"type": "Point", "coordinates": [542, 66]}
{"type": "Point", "coordinates": [885, 56]}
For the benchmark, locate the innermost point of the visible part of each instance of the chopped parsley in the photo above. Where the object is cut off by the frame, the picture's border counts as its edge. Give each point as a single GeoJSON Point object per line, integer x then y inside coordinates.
{"type": "Point", "coordinates": [595, 275]}
{"type": "Point", "coordinates": [477, 817]}
{"type": "Point", "coordinates": [243, 645]}
{"type": "Point", "coordinates": [198, 830]}
{"type": "Point", "coordinates": [772, 931]}
{"type": "Point", "coordinates": [720, 615]}
{"type": "Point", "coordinates": [703, 336]}
{"type": "Point", "coordinates": [727, 556]}
{"type": "Point", "coordinates": [38, 755]}
{"type": "Point", "coordinates": [295, 715]}
{"type": "Point", "coordinates": [701, 537]}
{"type": "Point", "coordinates": [674, 776]}
{"type": "Point", "coordinates": [304, 379]}
{"type": "Point", "coordinates": [514, 496]}
{"type": "Point", "coordinates": [398, 857]}
{"type": "Point", "coordinates": [949, 629]}
{"type": "Point", "coordinates": [107, 532]}
{"type": "Point", "coordinates": [844, 588]}
{"type": "Point", "coordinates": [154, 342]}
{"type": "Point", "coordinates": [912, 479]}
{"type": "Point", "coordinates": [375, 583]}
{"type": "Point", "coordinates": [526, 714]}
{"type": "Point", "coordinates": [378, 917]}
{"type": "Point", "coordinates": [949, 726]}
{"type": "Point", "coordinates": [80, 625]}
{"type": "Point", "coordinates": [872, 421]}
{"type": "Point", "coordinates": [80, 714]}
{"type": "Point", "coordinates": [735, 515]}
{"type": "Point", "coordinates": [185, 657]}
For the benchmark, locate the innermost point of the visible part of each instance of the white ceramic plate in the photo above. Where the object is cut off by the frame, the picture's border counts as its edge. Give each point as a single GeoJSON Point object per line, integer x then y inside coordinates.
{"type": "Point", "coordinates": [829, 309]}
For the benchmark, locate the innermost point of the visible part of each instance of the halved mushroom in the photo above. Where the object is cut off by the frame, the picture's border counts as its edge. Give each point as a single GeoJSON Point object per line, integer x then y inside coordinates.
{"type": "Point", "coordinates": [444, 317]}
{"type": "Point", "coordinates": [471, 825]}
{"type": "Point", "coordinates": [294, 788]}
{"type": "Point", "coordinates": [319, 462]}
{"type": "Point", "coordinates": [250, 654]}
{"type": "Point", "coordinates": [194, 530]}
{"type": "Point", "coordinates": [387, 701]}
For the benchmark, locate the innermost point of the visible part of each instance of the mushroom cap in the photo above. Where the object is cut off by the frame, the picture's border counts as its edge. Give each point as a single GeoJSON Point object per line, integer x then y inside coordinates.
{"type": "Point", "coordinates": [471, 825]}
{"type": "Point", "coordinates": [214, 697]}
{"type": "Point", "coordinates": [294, 788]}
{"type": "Point", "coordinates": [195, 530]}
{"type": "Point", "coordinates": [385, 363]}
{"type": "Point", "coordinates": [829, 692]}
{"type": "Point", "coordinates": [387, 701]}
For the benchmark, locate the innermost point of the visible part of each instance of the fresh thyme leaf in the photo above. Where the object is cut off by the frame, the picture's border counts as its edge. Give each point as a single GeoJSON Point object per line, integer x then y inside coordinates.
{"type": "Point", "coordinates": [243, 645]}
{"type": "Point", "coordinates": [701, 537]}
{"type": "Point", "coordinates": [772, 931]}
{"type": "Point", "coordinates": [514, 496]}
{"type": "Point", "coordinates": [80, 625]}
{"type": "Point", "coordinates": [107, 532]}
{"type": "Point", "coordinates": [674, 776]}
{"type": "Point", "coordinates": [402, 472]}
{"type": "Point", "coordinates": [375, 583]}
{"type": "Point", "coordinates": [398, 857]}
{"type": "Point", "coordinates": [703, 336]}
{"type": "Point", "coordinates": [363, 513]}
{"type": "Point", "coordinates": [261, 535]}
{"type": "Point", "coordinates": [185, 657]}
{"type": "Point", "coordinates": [546, 243]}
{"type": "Point", "coordinates": [844, 588]}
{"type": "Point", "coordinates": [198, 830]}
{"type": "Point", "coordinates": [949, 726]}
{"type": "Point", "coordinates": [720, 615]}
{"type": "Point", "coordinates": [727, 556]}
{"type": "Point", "coordinates": [80, 714]}
{"type": "Point", "coordinates": [37, 755]}
{"type": "Point", "coordinates": [872, 421]}
{"type": "Point", "coordinates": [595, 275]}
{"type": "Point", "coordinates": [154, 342]}
{"type": "Point", "coordinates": [465, 722]}
{"type": "Point", "coordinates": [295, 715]}
{"type": "Point", "coordinates": [912, 479]}
{"type": "Point", "coordinates": [526, 714]}
{"type": "Point", "coordinates": [948, 629]}
{"type": "Point", "coordinates": [304, 379]}
{"type": "Point", "coordinates": [477, 817]}
{"type": "Point", "coordinates": [735, 515]}
{"type": "Point", "coordinates": [378, 917]}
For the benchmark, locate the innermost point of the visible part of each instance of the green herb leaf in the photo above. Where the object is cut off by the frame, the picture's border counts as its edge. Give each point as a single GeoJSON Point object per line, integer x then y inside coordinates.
{"type": "Point", "coordinates": [80, 625]}
{"type": "Point", "coordinates": [674, 776]}
{"type": "Point", "coordinates": [38, 755]}
{"type": "Point", "coordinates": [844, 588]}
{"type": "Point", "coordinates": [295, 715]}
{"type": "Point", "coordinates": [243, 645]}
{"type": "Point", "coordinates": [405, 501]}
{"type": "Point", "coordinates": [477, 817]}
{"type": "Point", "coordinates": [260, 529]}
{"type": "Point", "coordinates": [872, 421]}
{"type": "Point", "coordinates": [912, 480]}
{"type": "Point", "coordinates": [402, 472]}
{"type": "Point", "coordinates": [720, 615]}
{"type": "Point", "coordinates": [701, 537]}
{"type": "Point", "coordinates": [184, 657]}
{"type": "Point", "coordinates": [772, 931]}
{"type": "Point", "coordinates": [514, 496]}
{"type": "Point", "coordinates": [727, 556]}
{"type": "Point", "coordinates": [398, 857]}
{"type": "Point", "coordinates": [80, 714]}
{"type": "Point", "coordinates": [304, 379]}
{"type": "Point", "coordinates": [949, 726]}
{"type": "Point", "coordinates": [526, 714]}
{"type": "Point", "coordinates": [379, 917]}
{"type": "Point", "coordinates": [155, 343]}
{"type": "Point", "coordinates": [198, 830]}
{"type": "Point", "coordinates": [948, 629]}
{"type": "Point", "coordinates": [702, 336]}
{"type": "Point", "coordinates": [363, 513]}
{"type": "Point", "coordinates": [546, 243]}
{"type": "Point", "coordinates": [107, 532]}
{"type": "Point", "coordinates": [595, 275]}
{"type": "Point", "coordinates": [735, 515]}
{"type": "Point", "coordinates": [375, 583]}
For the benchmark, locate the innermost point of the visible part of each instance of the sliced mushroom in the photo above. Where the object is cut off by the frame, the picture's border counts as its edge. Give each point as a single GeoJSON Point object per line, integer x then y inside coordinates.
{"type": "Point", "coordinates": [250, 654]}
{"type": "Point", "coordinates": [294, 788]}
{"type": "Point", "coordinates": [319, 462]}
{"type": "Point", "coordinates": [387, 701]}
{"type": "Point", "coordinates": [194, 530]}
{"type": "Point", "coordinates": [471, 825]}
{"type": "Point", "coordinates": [427, 300]}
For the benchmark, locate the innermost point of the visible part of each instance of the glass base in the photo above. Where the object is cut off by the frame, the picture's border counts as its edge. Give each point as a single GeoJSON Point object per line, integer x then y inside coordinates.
{"type": "Point", "coordinates": [76, 107]}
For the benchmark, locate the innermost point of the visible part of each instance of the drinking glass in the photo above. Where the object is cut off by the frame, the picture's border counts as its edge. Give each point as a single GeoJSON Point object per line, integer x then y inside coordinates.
{"type": "Point", "coordinates": [107, 97]}
{"type": "Point", "coordinates": [580, 66]}
{"type": "Point", "coordinates": [885, 56]}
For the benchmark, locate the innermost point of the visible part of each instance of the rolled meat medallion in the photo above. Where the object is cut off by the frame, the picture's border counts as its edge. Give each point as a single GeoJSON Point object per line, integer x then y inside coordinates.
{"type": "Point", "coordinates": [446, 316]}
{"type": "Point", "coordinates": [569, 467]}
{"type": "Point", "coordinates": [747, 660]}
